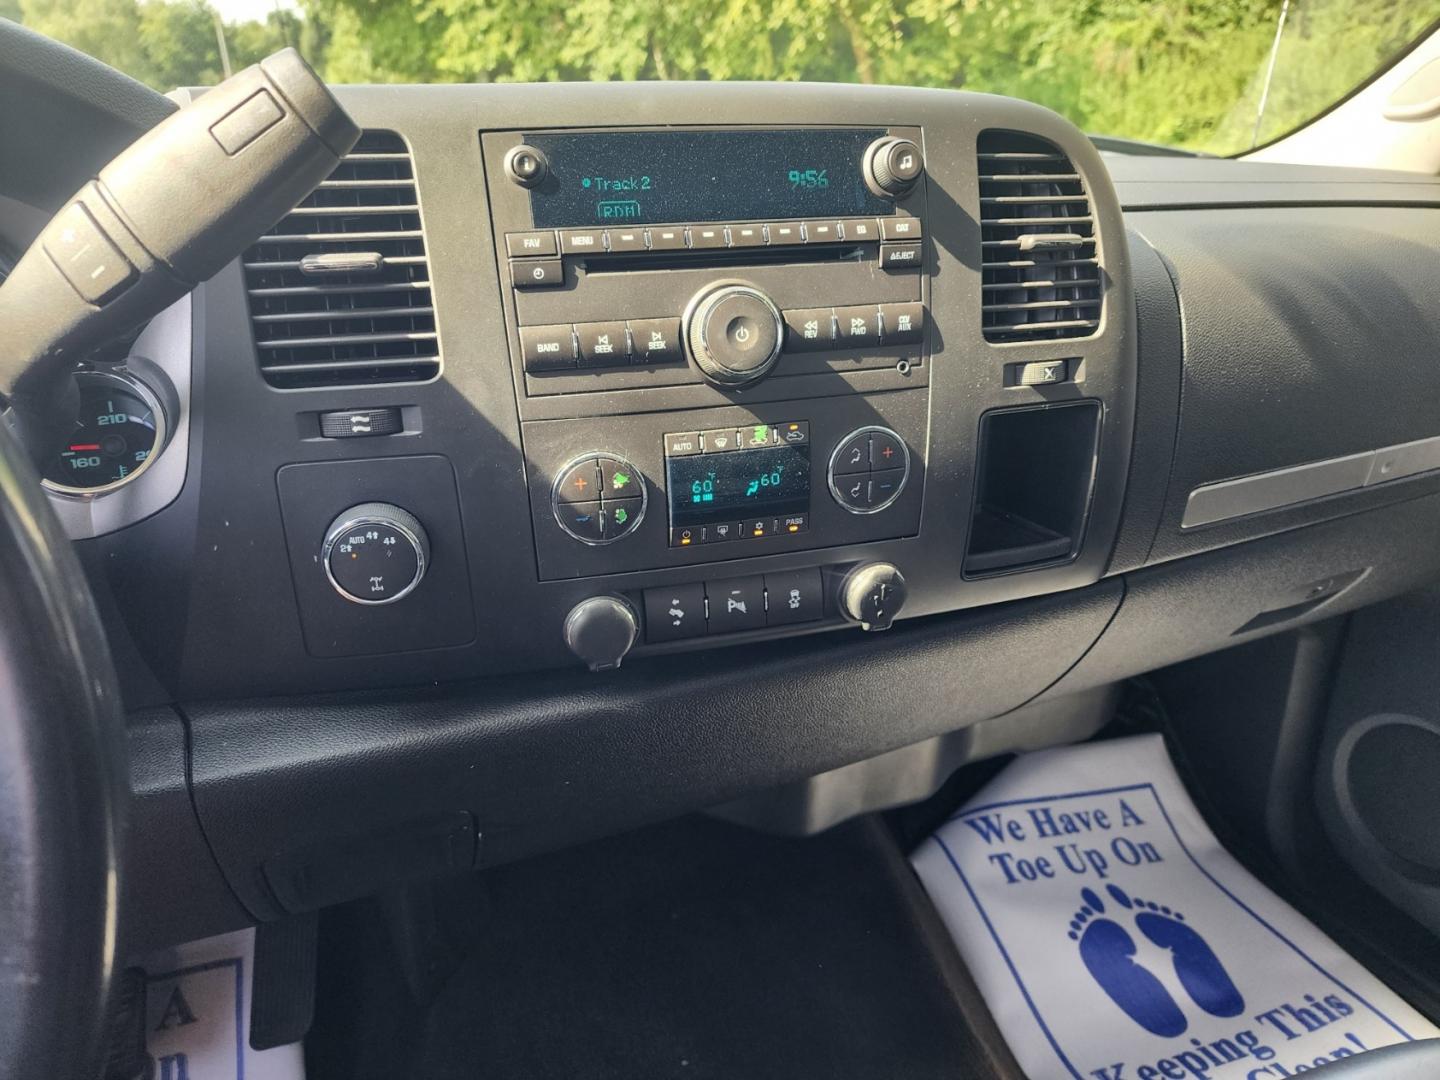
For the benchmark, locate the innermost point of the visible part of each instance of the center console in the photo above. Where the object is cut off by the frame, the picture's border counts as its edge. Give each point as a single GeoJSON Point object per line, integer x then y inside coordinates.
{"type": "Point", "coordinates": [621, 370]}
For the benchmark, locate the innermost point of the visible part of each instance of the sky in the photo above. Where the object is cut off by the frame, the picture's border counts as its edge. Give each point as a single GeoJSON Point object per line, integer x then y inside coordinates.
{"type": "Point", "coordinates": [245, 10]}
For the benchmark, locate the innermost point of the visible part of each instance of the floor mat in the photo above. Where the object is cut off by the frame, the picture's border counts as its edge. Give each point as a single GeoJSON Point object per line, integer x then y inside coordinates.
{"type": "Point", "coordinates": [1114, 939]}
{"type": "Point", "coordinates": [197, 1003]}
{"type": "Point", "coordinates": [700, 950]}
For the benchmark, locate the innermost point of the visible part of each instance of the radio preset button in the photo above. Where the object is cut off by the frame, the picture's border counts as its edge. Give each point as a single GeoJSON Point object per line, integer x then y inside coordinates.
{"type": "Point", "coordinates": [904, 323]}
{"type": "Point", "coordinates": [857, 327]}
{"type": "Point", "coordinates": [537, 273]}
{"type": "Point", "coordinates": [579, 483]}
{"type": "Point", "coordinates": [582, 241]}
{"type": "Point", "coordinates": [736, 604]}
{"type": "Point", "coordinates": [682, 445]}
{"type": "Point", "coordinates": [748, 235]}
{"type": "Point", "coordinates": [821, 232]}
{"type": "Point", "coordinates": [547, 348]}
{"type": "Point", "coordinates": [669, 238]}
{"type": "Point", "coordinates": [809, 329]}
{"type": "Point", "coordinates": [707, 236]}
{"type": "Point", "coordinates": [900, 228]}
{"type": "Point", "coordinates": [656, 341]}
{"type": "Point", "coordinates": [785, 232]}
{"type": "Point", "coordinates": [900, 256]}
{"type": "Point", "coordinates": [602, 344]}
{"type": "Point", "coordinates": [627, 239]}
{"type": "Point", "coordinates": [530, 243]}
{"type": "Point", "coordinates": [674, 613]}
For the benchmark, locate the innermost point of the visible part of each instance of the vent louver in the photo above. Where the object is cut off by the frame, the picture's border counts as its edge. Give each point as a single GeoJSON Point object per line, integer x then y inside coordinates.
{"type": "Point", "coordinates": [339, 289]}
{"type": "Point", "coordinates": [1040, 269]}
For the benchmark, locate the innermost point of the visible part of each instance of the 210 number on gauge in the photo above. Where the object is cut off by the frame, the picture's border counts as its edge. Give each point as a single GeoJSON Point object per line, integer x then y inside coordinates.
{"type": "Point", "coordinates": [114, 434]}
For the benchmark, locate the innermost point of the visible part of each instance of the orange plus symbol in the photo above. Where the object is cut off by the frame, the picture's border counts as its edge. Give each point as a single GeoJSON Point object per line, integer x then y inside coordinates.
{"type": "Point", "coordinates": [888, 452]}
{"type": "Point", "coordinates": [581, 483]}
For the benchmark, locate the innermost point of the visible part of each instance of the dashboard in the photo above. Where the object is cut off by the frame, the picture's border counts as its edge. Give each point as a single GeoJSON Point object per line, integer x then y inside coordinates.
{"type": "Point", "coordinates": [703, 381]}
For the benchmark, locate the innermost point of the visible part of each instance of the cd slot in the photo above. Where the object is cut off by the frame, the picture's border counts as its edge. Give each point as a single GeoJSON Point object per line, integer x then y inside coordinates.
{"type": "Point", "coordinates": [691, 259]}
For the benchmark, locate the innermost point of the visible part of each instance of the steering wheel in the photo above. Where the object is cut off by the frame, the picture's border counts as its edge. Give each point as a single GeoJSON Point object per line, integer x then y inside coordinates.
{"type": "Point", "coordinates": [62, 789]}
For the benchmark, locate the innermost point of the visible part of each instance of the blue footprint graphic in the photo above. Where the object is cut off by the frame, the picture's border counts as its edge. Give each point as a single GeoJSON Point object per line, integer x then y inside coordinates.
{"type": "Point", "coordinates": [1196, 965]}
{"type": "Point", "coordinates": [1108, 951]}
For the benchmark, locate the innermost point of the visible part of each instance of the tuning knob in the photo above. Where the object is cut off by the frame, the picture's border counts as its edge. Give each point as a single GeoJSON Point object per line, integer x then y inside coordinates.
{"type": "Point", "coordinates": [734, 332]}
{"type": "Point", "coordinates": [873, 595]}
{"type": "Point", "coordinates": [892, 165]}
{"type": "Point", "coordinates": [601, 631]}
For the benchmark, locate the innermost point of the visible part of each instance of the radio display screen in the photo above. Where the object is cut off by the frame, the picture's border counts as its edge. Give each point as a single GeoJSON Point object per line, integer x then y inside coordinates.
{"type": "Point", "coordinates": [738, 486]}
{"type": "Point", "coordinates": [643, 177]}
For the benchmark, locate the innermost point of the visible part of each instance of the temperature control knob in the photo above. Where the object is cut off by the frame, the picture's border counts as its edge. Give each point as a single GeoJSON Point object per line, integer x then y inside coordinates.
{"type": "Point", "coordinates": [601, 631]}
{"type": "Point", "coordinates": [375, 553]}
{"type": "Point", "coordinates": [872, 595]}
{"type": "Point", "coordinates": [892, 166]}
{"type": "Point", "coordinates": [734, 332]}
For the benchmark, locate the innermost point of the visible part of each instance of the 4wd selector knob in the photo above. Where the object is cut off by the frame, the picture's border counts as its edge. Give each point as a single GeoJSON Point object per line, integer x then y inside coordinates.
{"type": "Point", "coordinates": [734, 332]}
{"type": "Point", "coordinates": [375, 553]}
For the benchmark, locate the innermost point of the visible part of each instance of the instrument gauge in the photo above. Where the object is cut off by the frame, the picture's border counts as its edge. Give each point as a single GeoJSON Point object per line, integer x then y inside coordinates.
{"type": "Point", "coordinates": [118, 431]}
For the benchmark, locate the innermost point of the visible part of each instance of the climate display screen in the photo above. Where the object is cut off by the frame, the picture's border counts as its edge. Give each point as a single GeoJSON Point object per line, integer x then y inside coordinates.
{"type": "Point", "coordinates": [641, 177]}
{"type": "Point", "coordinates": [739, 486]}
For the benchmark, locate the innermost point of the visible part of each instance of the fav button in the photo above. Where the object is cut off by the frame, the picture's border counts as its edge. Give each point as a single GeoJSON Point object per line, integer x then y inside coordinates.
{"type": "Point", "coordinates": [530, 243]}
{"type": "Point", "coordinates": [674, 613]}
{"type": "Point", "coordinates": [736, 604]}
{"type": "Point", "coordinates": [793, 597]}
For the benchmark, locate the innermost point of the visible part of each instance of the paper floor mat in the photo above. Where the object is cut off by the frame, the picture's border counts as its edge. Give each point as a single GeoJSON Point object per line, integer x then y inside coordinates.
{"type": "Point", "coordinates": [1114, 939]}
{"type": "Point", "coordinates": [197, 1006]}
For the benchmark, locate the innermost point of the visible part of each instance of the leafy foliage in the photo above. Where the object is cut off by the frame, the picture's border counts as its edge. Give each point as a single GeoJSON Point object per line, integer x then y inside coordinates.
{"type": "Point", "coordinates": [1186, 73]}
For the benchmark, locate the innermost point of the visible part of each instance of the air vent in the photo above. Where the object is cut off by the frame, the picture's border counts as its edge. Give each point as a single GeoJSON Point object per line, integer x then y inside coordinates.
{"type": "Point", "coordinates": [340, 289]}
{"type": "Point", "coordinates": [1041, 273]}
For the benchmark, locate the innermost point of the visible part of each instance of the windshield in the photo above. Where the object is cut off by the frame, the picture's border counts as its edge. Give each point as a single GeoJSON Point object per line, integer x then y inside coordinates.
{"type": "Point", "coordinates": [1212, 76]}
